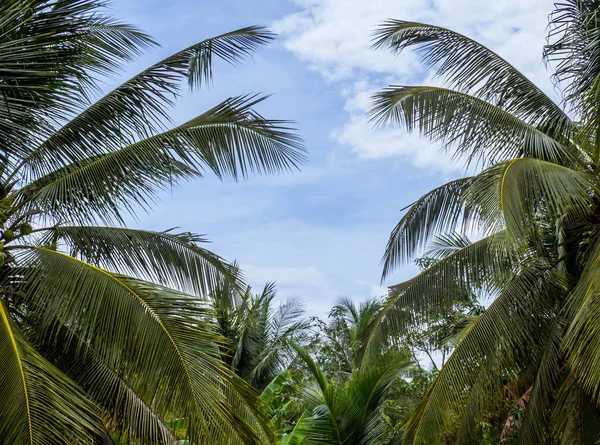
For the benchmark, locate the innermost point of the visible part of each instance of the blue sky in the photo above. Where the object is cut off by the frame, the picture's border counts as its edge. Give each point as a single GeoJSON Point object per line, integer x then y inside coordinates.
{"type": "Point", "coordinates": [320, 233]}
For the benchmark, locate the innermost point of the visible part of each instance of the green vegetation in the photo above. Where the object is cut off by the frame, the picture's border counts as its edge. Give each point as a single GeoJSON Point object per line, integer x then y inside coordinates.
{"type": "Point", "coordinates": [111, 335]}
{"type": "Point", "coordinates": [526, 369]}
{"type": "Point", "coordinates": [103, 331]}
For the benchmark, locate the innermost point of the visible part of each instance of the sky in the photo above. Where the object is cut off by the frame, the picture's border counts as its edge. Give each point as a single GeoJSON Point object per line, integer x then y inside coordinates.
{"type": "Point", "coordinates": [320, 233]}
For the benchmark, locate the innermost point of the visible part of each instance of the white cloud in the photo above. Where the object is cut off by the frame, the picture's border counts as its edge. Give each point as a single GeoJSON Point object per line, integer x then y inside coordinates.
{"type": "Point", "coordinates": [334, 37]}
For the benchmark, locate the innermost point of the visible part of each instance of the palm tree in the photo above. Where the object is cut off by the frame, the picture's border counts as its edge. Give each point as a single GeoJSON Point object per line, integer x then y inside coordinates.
{"type": "Point", "coordinates": [350, 412]}
{"type": "Point", "coordinates": [105, 329]}
{"type": "Point", "coordinates": [534, 203]}
{"type": "Point", "coordinates": [258, 336]}
{"type": "Point", "coordinates": [339, 348]}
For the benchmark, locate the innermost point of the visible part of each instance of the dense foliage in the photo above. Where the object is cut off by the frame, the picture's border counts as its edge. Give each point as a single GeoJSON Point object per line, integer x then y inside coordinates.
{"type": "Point", "coordinates": [123, 336]}
{"type": "Point", "coordinates": [105, 331]}
{"type": "Point", "coordinates": [526, 369]}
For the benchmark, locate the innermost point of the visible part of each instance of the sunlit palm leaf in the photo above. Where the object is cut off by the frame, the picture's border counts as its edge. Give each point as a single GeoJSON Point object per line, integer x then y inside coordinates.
{"type": "Point", "coordinates": [40, 405]}
{"type": "Point", "coordinates": [161, 336]}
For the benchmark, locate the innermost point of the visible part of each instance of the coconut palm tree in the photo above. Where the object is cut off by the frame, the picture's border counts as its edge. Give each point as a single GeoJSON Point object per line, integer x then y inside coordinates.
{"type": "Point", "coordinates": [534, 204]}
{"type": "Point", "coordinates": [103, 329]}
{"type": "Point", "coordinates": [339, 340]}
{"type": "Point", "coordinates": [258, 335]}
{"type": "Point", "coordinates": [350, 412]}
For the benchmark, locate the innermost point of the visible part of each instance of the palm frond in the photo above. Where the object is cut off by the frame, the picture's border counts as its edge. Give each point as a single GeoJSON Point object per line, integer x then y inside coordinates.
{"type": "Point", "coordinates": [125, 402]}
{"type": "Point", "coordinates": [51, 51]}
{"type": "Point", "coordinates": [168, 258]}
{"type": "Point", "coordinates": [231, 140]}
{"type": "Point", "coordinates": [573, 45]}
{"type": "Point", "coordinates": [141, 106]}
{"type": "Point", "coordinates": [518, 192]}
{"type": "Point", "coordinates": [472, 68]}
{"type": "Point", "coordinates": [160, 336]}
{"type": "Point", "coordinates": [39, 405]}
{"type": "Point", "coordinates": [438, 211]}
{"type": "Point", "coordinates": [444, 245]}
{"type": "Point", "coordinates": [481, 265]}
{"type": "Point", "coordinates": [469, 127]}
{"type": "Point", "coordinates": [503, 336]}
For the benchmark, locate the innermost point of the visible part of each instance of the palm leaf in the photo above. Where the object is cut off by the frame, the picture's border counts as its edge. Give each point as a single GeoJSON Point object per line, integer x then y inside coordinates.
{"type": "Point", "coordinates": [503, 336]}
{"type": "Point", "coordinates": [50, 54]}
{"type": "Point", "coordinates": [232, 140]}
{"type": "Point", "coordinates": [472, 128]}
{"type": "Point", "coordinates": [472, 68]}
{"type": "Point", "coordinates": [162, 337]}
{"type": "Point", "coordinates": [40, 405]}
{"type": "Point", "coordinates": [171, 259]}
{"type": "Point", "coordinates": [518, 192]}
{"type": "Point", "coordinates": [121, 397]}
{"type": "Point", "coordinates": [438, 211]}
{"type": "Point", "coordinates": [141, 106]}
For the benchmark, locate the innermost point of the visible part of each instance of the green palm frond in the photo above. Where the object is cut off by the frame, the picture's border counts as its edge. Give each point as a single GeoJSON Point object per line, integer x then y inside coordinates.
{"type": "Point", "coordinates": [51, 52]}
{"type": "Point", "coordinates": [469, 127]}
{"type": "Point", "coordinates": [536, 347]}
{"type": "Point", "coordinates": [231, 140]}
{"type": "Point", "coordinates": [472, 68]}
{"type": "Point", "coordinates": [573, 44]}
{"type": "Point", "coordinates": [40, 404]}
{"type": "Point", "coordinates": [582, 338]}
{"type": "Point", "coordinates": [576, 418]}
{"type": "Point", "coordinates": [162, 337]}
{"type": "Point", "coordinates": [444, 284]}
{"type": "Point", "coordinates": [502, 338]}
{"type": "Point", "coordinates": [519, 192]}
{"type": "Point", "coordinates": [350, 413]}
{"type": "Point", "coordinates": [140, 107]}
{"type": "Point", "coordinates": [536, 420]}
{"type": "Point", "coordinates": [171, 259]}
{"type": "Point", "coordinates": [444, 245]}
{"type": "Point", "coordinates": [439, 211]}
{"type": "Point", "coordinates": [125, 402]}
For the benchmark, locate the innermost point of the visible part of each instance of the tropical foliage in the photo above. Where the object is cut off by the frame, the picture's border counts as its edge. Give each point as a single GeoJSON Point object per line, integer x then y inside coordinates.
{"type": "Point", "coordinates": [526, 369]}
{"type": "Point", "coordinates": [258, 336]}
{"type": "Point", "coordinates": [106, 331]}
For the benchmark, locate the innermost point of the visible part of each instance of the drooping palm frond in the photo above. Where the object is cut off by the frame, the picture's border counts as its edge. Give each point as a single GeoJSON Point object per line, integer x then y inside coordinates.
{"type": "Point", "coordinates": [469, 127]}
{"type": "Point", "coordinates": [516, 193]}
{"type": "Point", "coordinates": [163, 337]}
{"type": "Point", "coordinates": [438, 211]}
{"type": "Point", "coordinates": [535, 427]}
{"type": "Point", "coordinates": [40, 404]}
{"type": "Point", "coordinates": [577, 417]}
{"type": "Point", "coordinates": [168, 258]}
{"type": "Point", "coordinates": [472, 68]}
{"type": "Point", "coordinates": [125, 412]}
{"type": "Point", "coordinates": [502, 339]}
{"type": "Point", "coordinates": [144, 359]}
{"type": "Point", "coordinates": [447, 282]}
{"type": "Point", "coordinates": [541, 192]}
